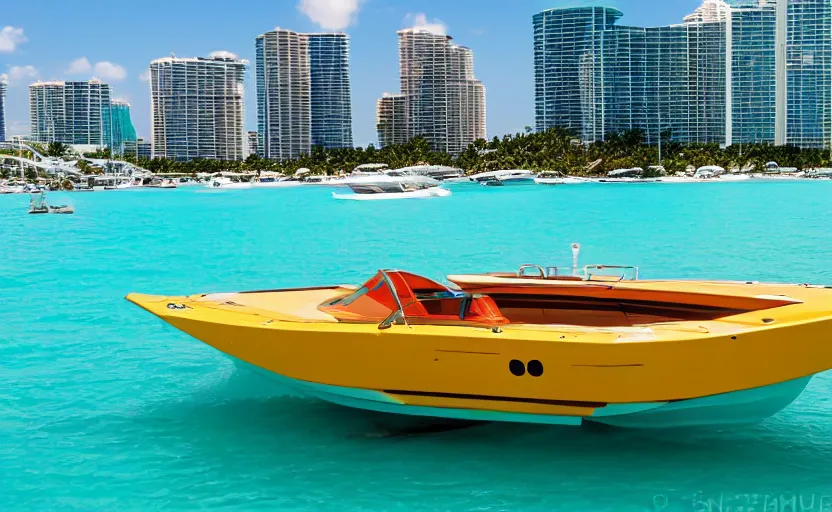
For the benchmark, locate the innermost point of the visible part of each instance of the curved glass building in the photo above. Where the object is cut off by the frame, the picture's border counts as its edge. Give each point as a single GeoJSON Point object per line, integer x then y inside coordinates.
{"type": "Point", "coordinates": [124, 134]}
{"type": "Point", "coordinates": [732, 72]}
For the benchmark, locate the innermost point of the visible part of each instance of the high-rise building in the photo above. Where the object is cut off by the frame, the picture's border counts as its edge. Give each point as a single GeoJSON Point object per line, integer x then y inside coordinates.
{"type": "Point", "coordinates": [75, 113]}
{"type": "Point", "coordinates": [253, 145]}
{"type": "Point", "coordinates": [331, 108]}
{"type": "Point", "coordinates": [809, 73]}
{"type": "Point", "coordinates": [144, 148]}
{"type": "Point", "coordinates": [391, 121]}
{"type": "Point", "coordinates": [283, 94]}
{"type": "Point", "coordinates": [197, 108]}
{"type": "Point", "coordinates": [734, 71]}
{"type": "Point", "coordinates": [443, 101]}
{"type": "Point", "coordinates": [466, 100]}
{"type": "Point", "coordinates": [3, 82]}
{"type": "Point", "coordinates": [124, 134]}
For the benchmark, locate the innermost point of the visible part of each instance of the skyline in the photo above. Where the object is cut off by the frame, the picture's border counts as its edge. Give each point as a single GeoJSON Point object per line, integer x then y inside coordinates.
{"type": "Point", "coordinates": [500, 38]}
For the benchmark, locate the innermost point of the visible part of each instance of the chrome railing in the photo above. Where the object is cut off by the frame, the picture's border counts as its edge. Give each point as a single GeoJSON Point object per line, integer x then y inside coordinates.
{"type": "Point", "coordinates": [397, 315]}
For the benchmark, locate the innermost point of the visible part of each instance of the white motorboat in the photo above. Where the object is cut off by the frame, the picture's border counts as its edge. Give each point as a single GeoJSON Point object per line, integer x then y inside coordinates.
{"type": "Point", "coordinates": [408, 187]}
{"type": "Point", "coordinates": [438, 172]}
{"type": "Point", "coordinates": [505, 177]}
{"type": "Point", "coordinates": [679, 179]}
{"type": "Point", "coordinates": [558, 179]}
{"type": "Point", "coordinates": [709, 171]}
{"type": "Point", "coordinates": [275, 182]}
{"type": "Point", "coordinates": [224, 182]}
{"type": "Point", "coordinates": [631, 175]}
{"type": "Point", "coordinates": [734, 177]}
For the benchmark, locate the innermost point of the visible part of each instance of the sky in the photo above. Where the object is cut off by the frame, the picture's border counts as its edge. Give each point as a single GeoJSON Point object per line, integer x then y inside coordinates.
{"type": "Point", "coordinates": [115, 42]}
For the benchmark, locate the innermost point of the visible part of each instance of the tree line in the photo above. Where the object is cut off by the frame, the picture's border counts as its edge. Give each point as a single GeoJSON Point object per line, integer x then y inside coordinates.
{"type": "Point", "coordinates": [555, 150]}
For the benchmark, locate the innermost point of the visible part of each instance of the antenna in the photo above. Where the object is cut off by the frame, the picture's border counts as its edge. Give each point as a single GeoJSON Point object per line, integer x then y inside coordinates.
{"type": "Point", "coordinates": [576, 250]}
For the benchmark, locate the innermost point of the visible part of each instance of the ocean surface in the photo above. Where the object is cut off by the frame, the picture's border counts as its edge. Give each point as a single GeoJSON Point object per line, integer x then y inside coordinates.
{"type": "Point", "coordinates": [104, 407]}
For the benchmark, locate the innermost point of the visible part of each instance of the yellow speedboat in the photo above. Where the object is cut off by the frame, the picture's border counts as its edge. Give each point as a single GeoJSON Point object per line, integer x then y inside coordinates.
{"type": "Point", "coordinates": [542, 348]}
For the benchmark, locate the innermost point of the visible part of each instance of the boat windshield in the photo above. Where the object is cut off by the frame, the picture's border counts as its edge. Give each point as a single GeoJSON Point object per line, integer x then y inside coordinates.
{"type": "Point", "coordinates": [401, 297]}
{"type": "Point", "coordinates": [37, 200]}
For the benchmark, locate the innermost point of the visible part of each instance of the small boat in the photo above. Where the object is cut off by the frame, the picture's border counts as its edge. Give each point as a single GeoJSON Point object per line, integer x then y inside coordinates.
{"type": "Point", "coordinates": [394, 188]}
{"type": "Point", "coordinates": [274, 182]}
{"type": "Point", "coordinates": [441, 173]}
{"type": "Point", "coordinates": [709, 171]}
{"type": "Point", "coordinates": [545, 345]}
{"type": "Point", "coordinates": [224, 182]}
{"type": "Point", "coordinates": [734, 176]}
{"type": "Point", "coordinates": [631, 175]}
{"type": "Point", "coordinates": [38, 205]}
{"type": "Point", "coordinates": [161, 183]}
{"type": "Point", "coordinates": [504, 177]}
{"type": "Point", "coordinates": [679, 179]}
{"type": "Point", "coordinates": [557, 178]}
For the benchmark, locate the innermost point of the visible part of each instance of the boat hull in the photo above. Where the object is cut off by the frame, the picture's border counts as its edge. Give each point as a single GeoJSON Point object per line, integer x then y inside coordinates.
{"type": "Point", "coordinates": [560, 181]}
{"type": "Point", "coordinates": [416, 194]}
{"type": "Point", "coordinates": [738, 368]}
{"type": "Point", "coordinates": [735, 408]}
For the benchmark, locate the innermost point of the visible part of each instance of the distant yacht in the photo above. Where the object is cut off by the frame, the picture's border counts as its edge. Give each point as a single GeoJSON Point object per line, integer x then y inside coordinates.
{"type": "Point", "coordinates": [505, 177]}
{"type": "Point", "coordinates": [631, 175]}
{"type": "Point", "coordinates": [545, 178]}
{"type": "Point", "coordinates": [392, 187]}
{"type": "Point", "coordinates": [226, 181]}
{"type": "Point", "coordinates": [437, 172]}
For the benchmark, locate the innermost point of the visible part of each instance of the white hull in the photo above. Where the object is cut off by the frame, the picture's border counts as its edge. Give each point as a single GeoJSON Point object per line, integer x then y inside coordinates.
{"type": "Point", "coordinates": [737, 408]}
{"type": "Point", "coordinates": [628, 180]}
{"type": "Point", "coordinates": [416, 194]}
{"type": "Point", "coordinates": [226, 186]}
{"type": "Point", "coordinates": [677, 179]}
{"type": "Point", "coordinates": [734, 177]}
{"type": "Point", "coordinates": [560, 181]}
{"type": "Point", "coordinates": [275, 184]}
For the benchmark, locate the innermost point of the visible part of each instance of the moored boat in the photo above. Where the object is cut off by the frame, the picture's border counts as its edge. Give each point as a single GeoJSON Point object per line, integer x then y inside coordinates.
{"type": "Point", "coordinates": [504, 177]}
{"type": "Point", "coordinates": [226, 182]}
{"type": "Point", "coordinates": [548, 178]}
{"type": "Point", "coordinates": [538, 345]}
{"type": "Point", "coordinates": [390, 187]}
{"type": "Point", "coordinates": [38, 205]}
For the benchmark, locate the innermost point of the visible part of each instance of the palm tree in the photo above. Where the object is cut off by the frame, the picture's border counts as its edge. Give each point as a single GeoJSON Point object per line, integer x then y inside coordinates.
{"type": "Point", "coordinates": [57, 149]}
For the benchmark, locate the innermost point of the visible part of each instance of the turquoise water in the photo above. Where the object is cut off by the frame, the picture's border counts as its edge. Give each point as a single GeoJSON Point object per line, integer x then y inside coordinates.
{"type": "Point", "coordinates": [103, 407]}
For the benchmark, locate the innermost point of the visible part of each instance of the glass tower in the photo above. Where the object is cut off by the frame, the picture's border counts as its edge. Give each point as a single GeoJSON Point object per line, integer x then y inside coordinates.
{"type": "Point", "coordinates": [809, 79]}
{"type": "Point", "coordinates": [124, 134]}
{"type": "Point", "coordinates": [71, 112]}
{"type": "Point", "coordinates": [734, 71]}
{"type": "Point", "coordinates": [331, 110]}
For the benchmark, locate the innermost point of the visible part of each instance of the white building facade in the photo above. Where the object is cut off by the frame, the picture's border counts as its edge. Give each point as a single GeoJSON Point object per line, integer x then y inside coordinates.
{"type": "Point", "coordinates": [198, 108]}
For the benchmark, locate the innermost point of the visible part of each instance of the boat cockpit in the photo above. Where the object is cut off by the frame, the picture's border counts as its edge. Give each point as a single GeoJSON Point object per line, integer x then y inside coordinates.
{"type": "Point", "coordinates": [594, 296]}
